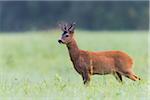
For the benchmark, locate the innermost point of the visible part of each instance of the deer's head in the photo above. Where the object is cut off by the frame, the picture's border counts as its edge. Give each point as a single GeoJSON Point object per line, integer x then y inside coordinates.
{"type": "Point", "coordinates": [68, 31]}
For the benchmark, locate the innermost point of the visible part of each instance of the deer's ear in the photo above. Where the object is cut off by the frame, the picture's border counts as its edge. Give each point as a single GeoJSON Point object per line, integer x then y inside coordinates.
{"type": "Point", "coordinates": [72, 27]}
{"type": "Point", "coordinates": [62, 27]}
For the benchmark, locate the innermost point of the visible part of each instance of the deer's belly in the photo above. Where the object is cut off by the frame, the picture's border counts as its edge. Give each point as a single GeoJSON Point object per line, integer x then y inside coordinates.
{"type": "Point", "coordinates": [103, 66]}
{"type": "Point", "coordinates": [102, 71]}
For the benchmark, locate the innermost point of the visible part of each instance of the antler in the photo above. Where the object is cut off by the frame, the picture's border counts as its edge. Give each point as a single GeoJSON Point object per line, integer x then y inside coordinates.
{"type": "Point", "coordinates": [70, 26]}
{"type": "Point", "coordinates": [66, 27]}
{"type": "Point", "coordinates": [63, 27]}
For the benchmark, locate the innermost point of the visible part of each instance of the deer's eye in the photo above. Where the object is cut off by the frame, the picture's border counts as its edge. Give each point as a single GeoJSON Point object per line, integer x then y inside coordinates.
{"type": "Point", "coordinates": [67, 35]}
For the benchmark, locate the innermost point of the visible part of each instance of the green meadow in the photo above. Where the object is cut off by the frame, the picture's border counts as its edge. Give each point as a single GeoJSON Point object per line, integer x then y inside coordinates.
{"type": "Point", "coordinates": [33, 66]}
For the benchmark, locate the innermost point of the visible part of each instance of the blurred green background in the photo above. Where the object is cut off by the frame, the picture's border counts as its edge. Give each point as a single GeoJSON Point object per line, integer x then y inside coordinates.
{"type": "Point", "coordinates": [33, 66]}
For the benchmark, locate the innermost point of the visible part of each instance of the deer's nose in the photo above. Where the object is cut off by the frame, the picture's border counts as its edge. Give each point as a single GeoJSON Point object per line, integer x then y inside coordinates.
{"type": "Point", "coordinates": [60, 41]}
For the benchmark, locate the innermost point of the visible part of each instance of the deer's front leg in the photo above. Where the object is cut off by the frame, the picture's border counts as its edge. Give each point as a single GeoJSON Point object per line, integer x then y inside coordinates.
{"type": "Point", "coordinates": [86, 77]}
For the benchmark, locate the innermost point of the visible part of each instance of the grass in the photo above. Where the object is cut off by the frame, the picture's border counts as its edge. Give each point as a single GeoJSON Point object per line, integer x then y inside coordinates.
{"type": "Point", "coordinates": [35, 66]}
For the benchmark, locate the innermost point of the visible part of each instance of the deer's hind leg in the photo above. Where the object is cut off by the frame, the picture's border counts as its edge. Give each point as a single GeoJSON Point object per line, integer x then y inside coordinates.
{"type": "Point", "coordinates": [130, 74]}
{"type": "Point", "coordinates": [118, 77]}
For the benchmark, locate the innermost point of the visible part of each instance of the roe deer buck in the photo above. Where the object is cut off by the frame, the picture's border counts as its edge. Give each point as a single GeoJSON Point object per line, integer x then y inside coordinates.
{"type": "Point", "coordinates": [88, 63]}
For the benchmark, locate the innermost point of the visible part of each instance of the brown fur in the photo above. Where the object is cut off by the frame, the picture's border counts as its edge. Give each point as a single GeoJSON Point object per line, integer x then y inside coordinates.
{"type": "Point", "coordinates": [88, 63]}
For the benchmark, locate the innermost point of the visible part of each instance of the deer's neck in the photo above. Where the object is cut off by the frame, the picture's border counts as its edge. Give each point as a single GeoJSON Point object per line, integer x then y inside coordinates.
{"type": "Point", "coordinates": [73, 50]}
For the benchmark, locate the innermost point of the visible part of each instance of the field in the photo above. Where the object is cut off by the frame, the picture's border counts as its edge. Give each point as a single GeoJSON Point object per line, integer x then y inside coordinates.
{"type": "Point", "coordinates": [34, 66]}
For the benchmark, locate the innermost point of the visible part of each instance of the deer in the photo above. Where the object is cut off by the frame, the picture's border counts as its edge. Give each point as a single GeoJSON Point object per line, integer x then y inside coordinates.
{"type": "Point", "coordinates": [88, 63]}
